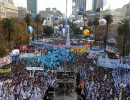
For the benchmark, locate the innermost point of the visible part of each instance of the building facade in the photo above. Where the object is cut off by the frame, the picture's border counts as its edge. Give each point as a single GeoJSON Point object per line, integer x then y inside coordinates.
{"type": "Point", "coordinates": [126, 10]}
{"type": "Point", "coordinates": [8, 9]}
{"type": "Point", "coordinates": [32, 7]}
{"type": "Point", "coordinates": [50, 14]}
{"type": "Point", "coordinates": [22, 12]}
{"type": "Point", "coordinates": [78, 4]}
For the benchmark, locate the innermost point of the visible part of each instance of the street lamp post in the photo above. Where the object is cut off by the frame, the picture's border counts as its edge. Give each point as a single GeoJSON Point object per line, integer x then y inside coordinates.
{"type": "Point", "coordinates": [65, 48]}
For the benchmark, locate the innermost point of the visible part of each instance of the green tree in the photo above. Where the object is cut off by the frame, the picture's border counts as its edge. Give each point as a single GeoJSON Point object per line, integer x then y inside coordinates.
{"type": "Point", "coordinates": [38, 20]}
{"type": "Point", "coordinates": [109, 20]}
{"type": "Point", "coordinates": [42, 19]}
{"type": "Point", "coordinates": [28, 19]}
{"type": "Point", "coordinates": [48, 30]}
{"type": "Point", "coordinates": [9, 26]}
{"type": "Point", "coordinates": [90, 23]}
{"type": "Point", "coordinates": [96, 23]}
{"type": "Point", "coordinates": [78, 31]}
{"type": "Point", "coordinates": [20, 35]}
{"type": "Point", "coordinates": [123, 30]}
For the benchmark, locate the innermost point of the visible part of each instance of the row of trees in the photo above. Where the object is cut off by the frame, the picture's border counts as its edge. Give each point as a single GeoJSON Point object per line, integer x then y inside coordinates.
{"type": "Point", "coordinates": [122, 38]}
{"type": "Point", "coordinates": [12, 33]}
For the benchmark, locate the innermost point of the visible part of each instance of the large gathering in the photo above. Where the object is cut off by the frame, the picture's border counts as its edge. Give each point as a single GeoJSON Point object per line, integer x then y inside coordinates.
{"type": "Point", "coordinates": [81, 52]}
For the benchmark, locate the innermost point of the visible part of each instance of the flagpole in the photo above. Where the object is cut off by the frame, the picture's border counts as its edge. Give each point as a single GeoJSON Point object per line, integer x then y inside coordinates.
{"type": "Point", "coordinates": [65, 50]}
{"type": "Point", "coordinates": [66, 37]}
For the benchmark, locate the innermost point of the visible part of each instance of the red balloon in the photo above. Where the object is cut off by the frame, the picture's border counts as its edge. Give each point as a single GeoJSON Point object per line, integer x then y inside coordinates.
{"type": "Point", "coordinates": [85, 19]}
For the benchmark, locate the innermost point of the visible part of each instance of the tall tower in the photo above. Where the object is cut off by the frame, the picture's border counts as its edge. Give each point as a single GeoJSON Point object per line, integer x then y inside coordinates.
{"type": "Point", "coordinates": [97, 4]}
{"type": "Point", "coordinates": [78, 4]}
{"type": "Point", "coordinates": [32, 6]}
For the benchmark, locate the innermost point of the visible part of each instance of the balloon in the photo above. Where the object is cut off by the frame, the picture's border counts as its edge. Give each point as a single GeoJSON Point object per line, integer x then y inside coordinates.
{"type": "Point", "coordinates": [15, 52]}
{"type": "Point", "coordinates": [63, 30]}
{"type": "Point", "coordinates": [81, 28]}
{"type": "Point", "coordinates": [86, 32]}
{"type": "Point", "coordinates": [72, 17]}
{"type": "Point", "coordinates": [56, 18]}
{"type": "Point", "coordinates": [85, 19]}
{"type": "Point", "coordinates": [73, 4]}
{"type": "Point", "coordinates": [81, 8]}
{"type": "Point", "coordinates": [44, 22]}
{"type": "Point", "coordinates": [68, 26]}
{"type": "Point", "coordinates": [56, 27]}
{"type": "Point", "coordinates": [102, 22]}
{"type": "Point", "coordinates": [61, 25]}
{"type": "Point", "coordinates": [30, 29]}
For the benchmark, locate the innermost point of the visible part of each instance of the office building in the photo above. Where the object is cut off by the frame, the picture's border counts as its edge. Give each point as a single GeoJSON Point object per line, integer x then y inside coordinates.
{"type": "Point", "coordinates": [97, 5]}
{"type": "Point", "coordinates": [32, 7]}
{"type": "Point", "coordinates": [78, 4]}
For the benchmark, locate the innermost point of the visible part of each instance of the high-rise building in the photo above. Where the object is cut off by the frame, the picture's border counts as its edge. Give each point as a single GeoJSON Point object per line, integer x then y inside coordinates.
{"type": "Point", "coordinates": [97, 4]}
{"type": "Point", "coordinates": [32, 7]}
{"type": "Point", "coordinates": [78, 4]}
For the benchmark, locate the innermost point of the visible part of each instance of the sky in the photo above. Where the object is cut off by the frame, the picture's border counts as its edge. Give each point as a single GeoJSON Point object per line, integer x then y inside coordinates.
{"type": "Point", "coordinates": [61, 4]}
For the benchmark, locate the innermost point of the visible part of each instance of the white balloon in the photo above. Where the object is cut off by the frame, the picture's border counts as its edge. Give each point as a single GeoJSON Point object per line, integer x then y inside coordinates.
{"type": "Point", "coordinates": [58, 25]}
{"type": "Point", "coordinates": [81, 28]}
{"type": "Point", "coordinates": [73, 4]}
{"type": "Point", "coordinates": [30, 29]}
{"type": "Point", "coordinates": [102, 22]}
{"type": "Point", "coordinates": [68, 26]}
{"type": "Point", "coordinates": [61, 18]}
{"type": "Point", "coordinates": [44, 22]}
{"type": "Point", "coordinates": [72, 17]}
{"type": "Point", "coordinates": [15, 52]}
{"type": "Point", "coordinates": [63, 30]}
{"type": "Point", "coordinates": [56, 28]}
{"type": "Point", "coordinates": [61, 25]}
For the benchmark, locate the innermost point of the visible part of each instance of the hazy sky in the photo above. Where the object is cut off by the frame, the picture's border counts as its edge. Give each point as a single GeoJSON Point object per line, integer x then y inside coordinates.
{"type": "Point", "coordinates": [61, 4]}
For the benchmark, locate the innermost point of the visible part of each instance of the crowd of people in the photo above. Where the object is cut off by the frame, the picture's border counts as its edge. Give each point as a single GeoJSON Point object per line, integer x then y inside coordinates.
{"type": "Point", "coordinates": [99, 83]}
{"type": "Point", "coordinates": [23, 84]}
{"type": "Point", "coordinates": [94, 83]}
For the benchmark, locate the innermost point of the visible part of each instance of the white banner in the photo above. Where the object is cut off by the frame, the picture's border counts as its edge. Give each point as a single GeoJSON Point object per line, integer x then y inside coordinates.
{"type": "Point", "coordinates": [29, 55]}
{"type": "Point", "coordinates": [109, 63]}
{"type": "Point", "coordinates": [6, 60]}
{"type": "Point", "coordinates": [34, 68]}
